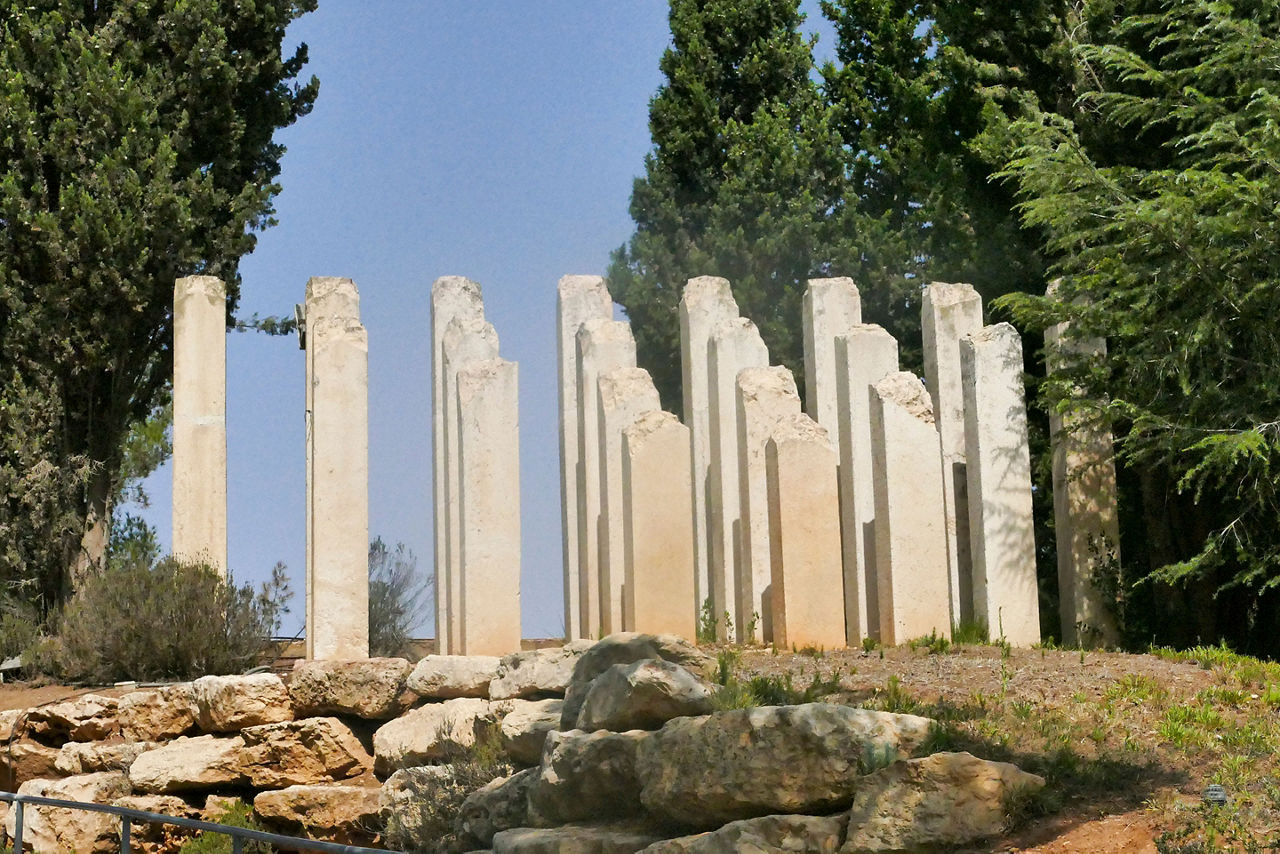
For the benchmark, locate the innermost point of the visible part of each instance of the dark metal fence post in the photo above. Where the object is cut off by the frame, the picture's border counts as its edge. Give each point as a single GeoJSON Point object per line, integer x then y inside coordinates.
{"type": "Point", "coordinates": [237, 845]}
{"type": "Point", "coordinates": [17, 829]}
{"type": "Point", "coordinates": [125, 827]}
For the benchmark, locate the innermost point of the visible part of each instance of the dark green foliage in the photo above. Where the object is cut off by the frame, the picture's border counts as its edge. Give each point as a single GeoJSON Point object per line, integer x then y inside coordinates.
{"type": "Point", "coordinates": [167, 620]}
{"type": "Point", "coordinates": [135, 147]}
{"type": "Point", "coordinates": [395, 598]}
{"type": "Point", "coordinates": [236, 814]}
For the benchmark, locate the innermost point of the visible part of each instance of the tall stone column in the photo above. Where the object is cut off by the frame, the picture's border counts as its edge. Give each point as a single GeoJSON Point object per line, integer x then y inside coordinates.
{"type": "Point", "coordinates": [451, 296]}
{"type": "Point", "coordinates": [658, 533]}
{"type": "Point", "coordinates": [804, 526]}
{"type": "Point", "coordinates": [467, 340]}
{"type": "Point", "coordinates": [1005, 593]}
{"type": "Point", "coordinates": [865, 355]}
{"type": "Point", "coordinates": [735, 344]}
{"type": "Point", "coordinates": [948, 313]}
{"type": "Point", "coordinates": [624, 395]}
{"type": "Point", "coordinates": [765, 396]}
{"type": "Point", "coordinates": [337, 472]}
{"type": "Point", "coordinates": [831, 307]}
{"type": "Point", "coordinates": [705, 302]}
{"type": "Point", "coordinates": [602, 345]}
{"type": "Point", "coordinates": [579, 299]}
{"type": "Point", "coordinates": [910, 525]}
{"type": "Point", "coordinates": [489, 451]}
{"type": "Point", "coordinates": [1084, 508]}
{"type": "Point", "coordinates": [200, 421]}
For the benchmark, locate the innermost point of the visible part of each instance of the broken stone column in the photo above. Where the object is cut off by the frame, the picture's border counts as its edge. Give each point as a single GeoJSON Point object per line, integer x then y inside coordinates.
{"type": "Point", "coordinates": [579, 299]}
{"type": "Point", "coordinates": [910, 525]}
{"type": "Point", "coordinates": [451, 296]}
{"type": "Point", "coordinates": [658, 531]}
{"type": "Point", "coordinates": [1003, 542]}
{"type": "Point", "coordinates": [831, 307]}
{"type": "Point", "coordinates": [624, 394]}
{"type": "Point", "coordinates": [735, 344]}
{"type": "Point", "coordinates": [804, 527]}
{"type": "Point", "coordinates": [948, 313]}
{"type": "Point", "coordinates": [1084, 508]}
{"type": "Point", "coordinates": [865, 354]}
{"type": "Point", "coordinates": [200, 421]}
{"type": "Point", "coordinates": [602, 345]}
{"type": "Point", "coordinates": [467, 340]}
{"type": "Point", "coordinates": [765, 396]}
{"type": "Point", "coordinates": [705, 302]}
{"type": "Point", "coordinates": [337, 351]}
{"type": "Point", "coordinates": [489, 452]}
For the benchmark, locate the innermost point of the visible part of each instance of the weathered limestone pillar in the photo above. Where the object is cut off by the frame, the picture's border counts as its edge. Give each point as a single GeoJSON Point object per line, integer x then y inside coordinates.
{"type": "Point", "coordinates": [948, 313]}
{"type": "Point", "coordinates": [831, 307]}
{"type": "Point", "coordinates": [337, 472]}
{"type": "Point", "coordinates": [624, 394]}
{"type": "Point", "coordinates": [489, 446]}
{"type": "Point", "coordinates": [658, 533]}
{"type": "Point", "coordinates": [1084, 508]}
{"type": "Point", "coordinates": [602, 345]}
{"type": "Point", "coordinates": [765, 396]}
{"type": "Point", "coordinates": [804, 526]}
{"type": "Point", "coordinates": [910, 525]}
{"type": "Point", "coordinates": [1003, 541]}
{"type": "Point", "coordinates": [200, 421]}
{"type": "Point", "coordinates": [865, 355]}
{"type": "Point", "coordinates": [579, 299]}
{"type": "Point", "coordinates": [451, 296]}
{"type": "Point", "coordinates": [467, 340]}
{"type": "Point", "coordinates": [705, 302]}
{"type": "Point", "coordinates": [735, 344]}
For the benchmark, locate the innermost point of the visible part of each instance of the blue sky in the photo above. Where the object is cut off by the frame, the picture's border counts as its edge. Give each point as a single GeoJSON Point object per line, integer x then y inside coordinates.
{"type": "Point", "coordinates": [495, 140]}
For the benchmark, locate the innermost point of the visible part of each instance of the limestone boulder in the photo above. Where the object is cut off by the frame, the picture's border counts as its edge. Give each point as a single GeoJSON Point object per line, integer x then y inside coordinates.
{"type": "Point", "coordinates": [343, 814]}
{"type": "Point", "coordinates": [25, 760]}
{"type": "Point", "coordinates": [371, 688]}
{"type": "Point", "coordinates": [446, 677]}
{"type": "Point", "coordinates": [939, 801]}
{"type": "Point", "coordinates": [231, 703]}
{"type": "Point", "coordinates": [643, 695]}
{"type": "Point", "coordinates": [745, 763]}
{"type": "Point", "coordinates": [148, 838]}
{"type": "Point", "coordinates": [616, 838]}
{"type": "Point", "coordinates": [11, 723]}
{"type": "Point", "coordinates": [815, 834]}
{"type": "Point", "coordinates": [498, 805]}
{"type": "Point", "coordinates": [431, 733]}
{"type": "Point", "coordinates": [537, 673]}
{"type": "Point", "coordinates": [401, 797]}
{"type": "Point", "coordinates": [586, 775]}
{"type": "Point", "coordinates": [304, 752]}
{"type": "Point", "coordinates": [159, 714]}
{"type": "Point", "coordinates": [86, 718]}
{"type": "Point", "coordinates": [190, 764]}
{"type": "Point", "coordinates": [524, 727]}
{"type": "Point", "coordinates": [624, 648]}
{"type": "Point", "coordinates": [50, 829]}
{"type": "Point", "coordinates": [89, 757]}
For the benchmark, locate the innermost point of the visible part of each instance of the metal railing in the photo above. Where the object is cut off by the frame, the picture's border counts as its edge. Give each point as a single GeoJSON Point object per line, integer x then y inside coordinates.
{"type": "Point", "coordinates": [239, 835]}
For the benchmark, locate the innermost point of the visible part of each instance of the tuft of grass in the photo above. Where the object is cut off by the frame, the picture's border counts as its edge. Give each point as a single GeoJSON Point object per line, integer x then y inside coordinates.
{"type": "Point", "coordinates": [970, 632]}
{"type": "Point", "coordinates": [933, 642]}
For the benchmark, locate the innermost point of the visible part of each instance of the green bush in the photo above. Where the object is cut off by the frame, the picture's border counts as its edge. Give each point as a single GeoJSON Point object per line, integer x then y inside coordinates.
{"type": "Point", "coordinates": [396, 597]}
{"type": "Point", "coordinates": [236, 814]}
{"type": "Point", "coordinates": [167, 620]}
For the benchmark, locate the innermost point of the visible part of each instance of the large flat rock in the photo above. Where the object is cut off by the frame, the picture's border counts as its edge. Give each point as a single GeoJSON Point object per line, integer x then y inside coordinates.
{"type": "Point", "coordinates": [47, 829]}
{"type": "Point", "coordinates": [231, 703]}
{"type": "Point", "coordinates": [815, 834]}
{"type": "Point", "coordinates": [190, 764]}
{"type": "Point", "coordinates": [432, 733]}
{"type": "Point", "coordinates": [586, 775]}
{"type": "Point", "coordinates": [371, 688]}
{"type": "Point", "coordinates": [304, 752]}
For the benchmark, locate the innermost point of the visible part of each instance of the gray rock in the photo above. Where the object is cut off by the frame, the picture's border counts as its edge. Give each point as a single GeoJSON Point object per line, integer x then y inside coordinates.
{"type": "Point", "coordinates": [446, 677]}
{"type": "Point", "coordinates": [621, 838]}
{"type": "Point", "coordinates": [190, 764]}
{"type": "Point", "coordinates": [537, 673]}
{"type": "Point", "coordinates": [89, 757]}
{"type": "Point", "coordinates": [643, 695]}
{"type": "Point", "coordinates": [371, 688]}
{"type": "Point", "coordinates": [158, 714]}
{"type": "Point", "coordinates": [938, 801]}
{"type": "Point", "coordinates": [624, 648]}
{"type": "Point", "coordinates": [524, 727]}
{"type": "Point", "coordinates": [819, 835]}
{"type": "Point", "coordinates": [745, 763]}
{"type": "Point", "coordinates": [231, 703]}
{"type": "Point", "coordinates": [499, 805]}
{"type": "Point", "coordinates": [586, 775]}
{"type": "Point", "coordinates": [432, 733]}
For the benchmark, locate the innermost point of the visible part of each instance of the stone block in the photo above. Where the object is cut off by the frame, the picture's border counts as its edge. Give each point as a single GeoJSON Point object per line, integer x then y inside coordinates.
{"type": "Point", "coordinates": [231, 703]}
{"type": "Point", "coordinates": [586, 775]}
{"type": "Point", "coordinates": [373, 688]}
{"type": "Point", "coordinates": [157, 714]}
{"type": "Point", "coordinates": [202, 763]}
{"type": "Point", "coordinates": [865, 355]}
{"type": "Point", "coordinates": [537, 672]}
{"type": "Point", "coordinates": [910, 525]}
{"type": "Point", "coordinates": [804, 529]}
{"type": "Point", "coordinates": [444, 677]}
{"type": "Point", "coordinates": [831, 308]}
{"type": "Point", "coordinates": [49, 829]}
{"type": "Point", "coordinates": [1002, 534]}
{"type": "Point", "coordinates": [432, 733]}
{"type": "Point", "coordinates": [342, 814]}
{"type": "Point", "coordinates": [305, 752]}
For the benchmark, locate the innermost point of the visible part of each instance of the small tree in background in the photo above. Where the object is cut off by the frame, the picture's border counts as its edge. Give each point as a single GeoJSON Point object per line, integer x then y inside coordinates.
{"type": "Point", "coordinates": [396, 598]}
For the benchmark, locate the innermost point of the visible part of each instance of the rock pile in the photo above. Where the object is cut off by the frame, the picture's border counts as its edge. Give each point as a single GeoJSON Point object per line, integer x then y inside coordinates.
{"type": "Point", "coordinates": [617, 748]}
